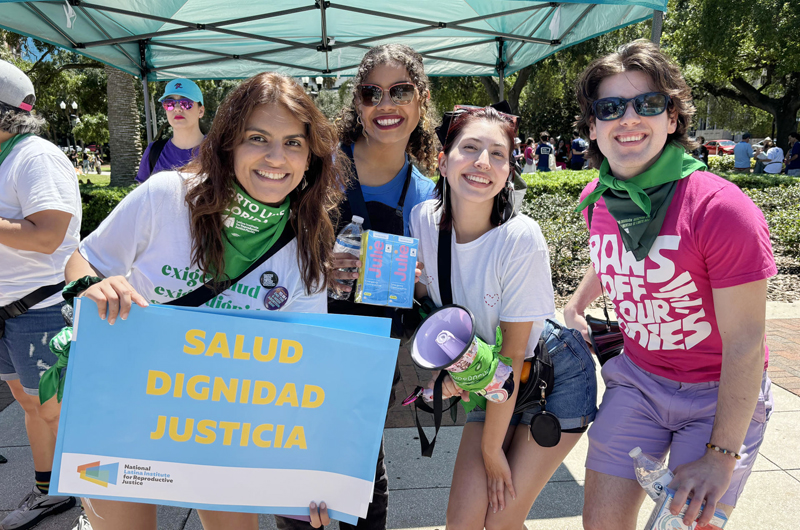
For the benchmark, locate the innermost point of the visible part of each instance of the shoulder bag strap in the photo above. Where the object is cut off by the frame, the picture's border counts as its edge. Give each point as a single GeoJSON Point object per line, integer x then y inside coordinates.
{"type": "Point", "coordinates": [206, 292]}
{"type": "Point", "coordinates": [21, 306]}
{"type": "Point", "coordinates": [444, 264]}
{"type": "Point", "coordinates": [155, 153]}
{"type": "Point", "coordinates": [355, 197]}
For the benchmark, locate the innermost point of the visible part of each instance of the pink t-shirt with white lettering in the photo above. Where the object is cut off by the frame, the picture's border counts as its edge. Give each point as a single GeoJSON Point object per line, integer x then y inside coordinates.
{"type": "Point", "coordinates": [713, 237]}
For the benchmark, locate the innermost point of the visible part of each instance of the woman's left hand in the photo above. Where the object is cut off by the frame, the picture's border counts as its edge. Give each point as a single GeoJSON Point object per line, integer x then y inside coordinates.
{"type": "Point", "coordinates": [319, 516]}
{"type": "Point", "coordinates": [498, 478]}
{"type": "Point", "coordinates": [418, 271]}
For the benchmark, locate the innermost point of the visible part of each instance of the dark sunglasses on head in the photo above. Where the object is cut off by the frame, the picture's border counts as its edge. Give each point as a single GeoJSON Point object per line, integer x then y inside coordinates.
{"type": "Point", "coordinates": [401, 94]}
{"type": "Point", "coordinates": [169, 104]}
{"type": "Point", "coordinates": [650, 104]}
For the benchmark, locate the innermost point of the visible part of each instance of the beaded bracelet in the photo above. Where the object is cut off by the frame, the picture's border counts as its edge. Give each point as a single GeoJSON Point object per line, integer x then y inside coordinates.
{"type": "Point", "coordinates": [718, 449]}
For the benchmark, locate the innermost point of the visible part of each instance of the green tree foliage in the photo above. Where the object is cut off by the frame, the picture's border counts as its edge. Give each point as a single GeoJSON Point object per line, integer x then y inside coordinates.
{"type": "Point", "coordinates": [92, 129]}
{"type": "Point", "coordinates": [747, 52]}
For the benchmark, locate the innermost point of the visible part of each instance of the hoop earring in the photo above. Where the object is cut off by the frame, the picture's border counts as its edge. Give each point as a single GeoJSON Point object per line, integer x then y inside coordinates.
{"type": "Point", "coordinates": [363, 129]}
{"type": "Point", "coordinates": [303, 183]}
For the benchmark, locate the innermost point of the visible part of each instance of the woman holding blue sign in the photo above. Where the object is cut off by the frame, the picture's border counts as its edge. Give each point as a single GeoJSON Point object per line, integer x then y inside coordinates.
{"type": "Point", "coordinates": [246, 225]}
{"type": "Point", "coordinates": [498, 268]}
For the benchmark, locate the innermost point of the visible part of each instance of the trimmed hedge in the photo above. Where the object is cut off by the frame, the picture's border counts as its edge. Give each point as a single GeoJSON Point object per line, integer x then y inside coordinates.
{"type": "Point", "coordinates": [98, 201]}
{"type": "Point", "coordinates": [572, 182]}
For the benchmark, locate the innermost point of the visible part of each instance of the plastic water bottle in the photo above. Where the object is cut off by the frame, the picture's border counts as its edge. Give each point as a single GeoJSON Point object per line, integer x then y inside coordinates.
{"type": "Point", "coordinates": [653, 475]}
{"type": "Point", "coordinates": [348, 241]}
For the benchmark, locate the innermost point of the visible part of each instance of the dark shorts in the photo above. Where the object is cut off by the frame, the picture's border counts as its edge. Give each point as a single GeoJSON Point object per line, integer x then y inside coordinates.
{"type": "Point", "coordinates": [574, 396]}
{"type": "Point", "coordinates": [24, 349]}
{"type": "Point", "coordinates": [660, 415]}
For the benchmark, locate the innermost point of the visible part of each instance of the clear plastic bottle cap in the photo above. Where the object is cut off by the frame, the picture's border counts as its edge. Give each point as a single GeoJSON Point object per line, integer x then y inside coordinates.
{"type": "Point", "coordinates": [357, 219]}
{"type": "Point", "coordinates": [636, 451]}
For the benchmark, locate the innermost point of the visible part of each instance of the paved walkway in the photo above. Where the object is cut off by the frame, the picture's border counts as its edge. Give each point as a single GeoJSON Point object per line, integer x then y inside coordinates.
{"type": "Point", "coordinates": [420, 486]}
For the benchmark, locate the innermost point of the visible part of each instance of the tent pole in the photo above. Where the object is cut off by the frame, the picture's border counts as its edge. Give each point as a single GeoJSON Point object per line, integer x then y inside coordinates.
{"type": "Point", "coordinates": [502, 84]}
{"type": "Point", "coordinates": [148, 119]}
{"type": "Point", "coordinates": [501, 68]}
{"type": "Point", "coordinates": [658, 24]}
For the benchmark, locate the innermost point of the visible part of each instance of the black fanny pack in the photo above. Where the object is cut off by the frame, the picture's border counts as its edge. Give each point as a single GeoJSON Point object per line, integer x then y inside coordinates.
{"type": "Point", "coordinates": [21, 306]}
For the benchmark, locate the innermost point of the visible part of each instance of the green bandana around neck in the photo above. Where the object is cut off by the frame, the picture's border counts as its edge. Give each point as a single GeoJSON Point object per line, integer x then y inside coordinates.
{"type": "Point", "coordinates": [8, 145]}
{"type": "Point", "coordinates": [639, 205]}
{"type": "Point", "coordinates": [250, 228]}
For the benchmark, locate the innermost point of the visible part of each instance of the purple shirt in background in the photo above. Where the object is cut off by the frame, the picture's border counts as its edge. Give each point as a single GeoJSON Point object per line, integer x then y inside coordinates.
{"type": "Point", "coordinates": [171, 158]}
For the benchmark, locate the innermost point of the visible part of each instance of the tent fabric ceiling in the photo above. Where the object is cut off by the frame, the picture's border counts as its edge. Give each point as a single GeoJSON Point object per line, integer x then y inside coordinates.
{"type": "Point", "coordinates": [205, 39]}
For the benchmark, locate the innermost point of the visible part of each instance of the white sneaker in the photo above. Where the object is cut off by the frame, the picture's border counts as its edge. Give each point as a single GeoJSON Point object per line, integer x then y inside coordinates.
{"type": "Point", "coordinates": [35, 507]}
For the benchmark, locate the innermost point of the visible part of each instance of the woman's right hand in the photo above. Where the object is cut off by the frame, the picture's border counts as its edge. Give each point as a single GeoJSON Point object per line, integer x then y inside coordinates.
{"type": "Point", "coordinates": [449, 387]}
{"type": "Point", "coordinates": [114, 297]}
{"type": "Point", "coordinates": [343, 260]}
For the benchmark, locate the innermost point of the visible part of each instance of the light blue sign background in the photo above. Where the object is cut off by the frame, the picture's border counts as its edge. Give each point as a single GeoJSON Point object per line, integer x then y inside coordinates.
{"type": "Point", "coordinates": [108, 370]}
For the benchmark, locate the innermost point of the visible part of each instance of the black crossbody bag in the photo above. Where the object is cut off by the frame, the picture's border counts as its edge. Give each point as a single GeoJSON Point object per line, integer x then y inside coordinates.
{"type": "Point", "coordinates": [21, 306]}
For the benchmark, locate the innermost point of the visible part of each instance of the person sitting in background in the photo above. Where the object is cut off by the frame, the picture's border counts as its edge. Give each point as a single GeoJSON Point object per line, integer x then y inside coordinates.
{"type": "Point", "coordinates": [183, 103]}
{"type": "Point", "coordinates": [701, 152]}
{"type": "Point", "coordinates": [773, 163]}
{"type": "Point", "coordinates": [793, 157]}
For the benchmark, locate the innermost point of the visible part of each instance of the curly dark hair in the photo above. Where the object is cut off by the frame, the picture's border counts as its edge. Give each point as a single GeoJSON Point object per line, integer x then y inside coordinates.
{"type": "Point", "coordinates": [314, 209]}
{"type": "Point", "coordinates": [422, 144]}
{"type": "Point", "coordinates": [643, 56]}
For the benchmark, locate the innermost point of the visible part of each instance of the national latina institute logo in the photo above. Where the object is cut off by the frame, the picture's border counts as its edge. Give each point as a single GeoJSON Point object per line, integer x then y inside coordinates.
{"type": "Point", "coordinates": [100, 475]}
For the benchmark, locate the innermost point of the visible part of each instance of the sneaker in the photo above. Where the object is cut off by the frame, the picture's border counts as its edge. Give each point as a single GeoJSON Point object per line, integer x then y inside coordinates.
{"type": "Point", "coordinates": [82, 523]}
{"type": "Point", "coordinates": [35, 507]}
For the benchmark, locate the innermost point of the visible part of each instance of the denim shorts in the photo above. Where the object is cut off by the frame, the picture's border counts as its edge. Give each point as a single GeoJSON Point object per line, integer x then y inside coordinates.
{"type": "Point", "coordinates": [574, 396]}
{"type": "Point", "coordinates": [25, 347]}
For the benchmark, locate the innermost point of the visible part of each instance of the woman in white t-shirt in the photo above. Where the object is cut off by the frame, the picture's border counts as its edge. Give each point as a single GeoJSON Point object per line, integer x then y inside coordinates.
{"type": "Point", "coordinates": [500, 271]}
{"type": "Point", "coordinates": [270, 163]}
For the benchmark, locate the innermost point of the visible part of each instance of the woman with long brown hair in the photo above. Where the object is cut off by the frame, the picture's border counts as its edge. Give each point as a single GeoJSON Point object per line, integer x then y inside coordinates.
{"type": "Point", "coordinates": [268, 166]}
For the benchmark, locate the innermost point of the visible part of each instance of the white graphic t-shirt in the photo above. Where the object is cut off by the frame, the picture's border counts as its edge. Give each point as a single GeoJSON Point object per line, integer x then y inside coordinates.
{"type": "Point", "coordinates": [502, 275]}
{"type": "Point", "coordinates": [36, 176]}
{"type": "Point", "coordinates": [713, 237]}
{"type": "Point", "coordinates": [147, 239]}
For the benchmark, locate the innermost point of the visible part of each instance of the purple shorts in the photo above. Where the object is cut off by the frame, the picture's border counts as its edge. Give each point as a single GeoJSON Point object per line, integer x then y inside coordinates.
{"type": "Point", "coordinates": [660, 415]}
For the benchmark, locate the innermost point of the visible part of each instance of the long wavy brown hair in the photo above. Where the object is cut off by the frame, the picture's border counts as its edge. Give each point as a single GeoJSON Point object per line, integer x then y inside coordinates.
{"type": "Point", "coordinates": [422, 143]}
{"type": "Point", "coordinates": [643, 56]}
{"type": "Point", "coordinates": [314, 209]}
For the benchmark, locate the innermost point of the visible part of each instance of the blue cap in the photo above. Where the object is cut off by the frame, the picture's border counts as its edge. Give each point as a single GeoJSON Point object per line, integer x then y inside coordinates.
{"type": "Point", "coordinates": [185, 88]}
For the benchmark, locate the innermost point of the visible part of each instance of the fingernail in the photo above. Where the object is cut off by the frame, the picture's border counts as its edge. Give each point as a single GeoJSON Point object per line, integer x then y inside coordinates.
{"type": "Point", "coordinates": [313, 505]}
{"type": "Point", "coordinates": [322, 506]}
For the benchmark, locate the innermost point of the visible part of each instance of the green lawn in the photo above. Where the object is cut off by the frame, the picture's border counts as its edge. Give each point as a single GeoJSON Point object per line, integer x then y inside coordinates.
{"type": "Point", "coordinates": [97, 180]}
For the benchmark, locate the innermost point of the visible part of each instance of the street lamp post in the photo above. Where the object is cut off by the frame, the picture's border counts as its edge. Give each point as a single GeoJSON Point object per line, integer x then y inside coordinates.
{"type": "Point", "coordinates": [69, 121]}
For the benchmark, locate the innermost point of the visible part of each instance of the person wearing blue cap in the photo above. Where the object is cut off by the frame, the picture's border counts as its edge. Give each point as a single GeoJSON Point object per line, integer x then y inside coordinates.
{"type": "Point", "coordinates": [183, 103]}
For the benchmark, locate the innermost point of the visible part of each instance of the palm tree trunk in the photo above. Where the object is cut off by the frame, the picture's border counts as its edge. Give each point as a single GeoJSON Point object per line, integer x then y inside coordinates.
{"type": "Point", "coordinates": [123, 127]}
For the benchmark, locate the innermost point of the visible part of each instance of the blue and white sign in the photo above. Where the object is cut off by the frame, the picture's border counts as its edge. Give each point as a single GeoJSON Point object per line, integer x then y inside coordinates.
{"type": "Point", "coordinates": [258, 412]}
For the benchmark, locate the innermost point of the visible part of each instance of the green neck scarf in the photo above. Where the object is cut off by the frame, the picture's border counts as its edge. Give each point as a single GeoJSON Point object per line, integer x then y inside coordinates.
{"type": "Point", "coordinates": [8, 145]}
{"type": "Point", "coordinates": [639, 205]}
{"type": "Point", "coordinates": [250, 228]}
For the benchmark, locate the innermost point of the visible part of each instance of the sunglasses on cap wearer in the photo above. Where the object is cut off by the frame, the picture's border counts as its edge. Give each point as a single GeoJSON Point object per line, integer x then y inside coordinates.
{"type": "Point", "coordinates": [649, 104]}
{"type": "Point", "coordinates": [449, 117]}
{"type": "Point", "coordinates": [170, 104]}
{"type": "Point", "coordinates": [400, 93]}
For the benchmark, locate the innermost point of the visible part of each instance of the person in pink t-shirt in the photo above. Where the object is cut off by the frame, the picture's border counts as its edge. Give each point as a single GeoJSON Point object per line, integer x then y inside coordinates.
{"type": "Point", "coordinates": [684, 256]}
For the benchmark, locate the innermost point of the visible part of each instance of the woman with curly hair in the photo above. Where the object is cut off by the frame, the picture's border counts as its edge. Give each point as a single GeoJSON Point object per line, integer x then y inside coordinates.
{"type": "Point", "coordinates": [268, 169]}
{"type": "Point", "coordinates": [387, 125]}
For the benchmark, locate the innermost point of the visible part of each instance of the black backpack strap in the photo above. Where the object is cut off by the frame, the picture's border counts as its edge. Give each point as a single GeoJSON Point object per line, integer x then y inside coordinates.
{"type": "Point", "coordinates": [21, 306]}
{"type": "Point", "coordinates": [155, 152]}
{"type": "Point", "coordinates": [443, 263]}
{"type": "Point", "coordinates": [206, 292]}
{"type": "Point", "coordinates": [590, 211]}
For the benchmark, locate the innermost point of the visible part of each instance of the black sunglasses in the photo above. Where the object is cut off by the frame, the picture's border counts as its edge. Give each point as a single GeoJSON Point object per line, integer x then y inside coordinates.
{"type": "Point", "coordinates": [401, 94]}
{"type": "Point", "coordinates": [650, 104]}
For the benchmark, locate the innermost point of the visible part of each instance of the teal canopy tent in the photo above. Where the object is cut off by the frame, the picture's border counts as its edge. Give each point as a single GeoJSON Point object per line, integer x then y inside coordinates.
{"type": "Point", "coordinates": [209, 39]}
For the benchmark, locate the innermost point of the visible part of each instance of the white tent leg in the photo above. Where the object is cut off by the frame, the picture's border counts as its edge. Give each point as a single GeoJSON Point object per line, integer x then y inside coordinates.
{"type": "Point", "coordinates": [148, 118]}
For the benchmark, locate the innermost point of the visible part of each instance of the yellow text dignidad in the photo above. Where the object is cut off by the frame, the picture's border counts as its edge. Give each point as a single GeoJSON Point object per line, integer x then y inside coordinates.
{"type": "Point", "coordinates": [201, 387]}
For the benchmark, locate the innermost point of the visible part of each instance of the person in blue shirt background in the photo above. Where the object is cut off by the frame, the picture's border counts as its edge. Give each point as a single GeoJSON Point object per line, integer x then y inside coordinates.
{"type": "Point", "coordinates": [579, 146]}
{"type": "Point", "coordinates": [793, 156]}
{"type": "Point", "coordinates": [543, 152]}
{"type": "Point", "coordinates": [742, 153]}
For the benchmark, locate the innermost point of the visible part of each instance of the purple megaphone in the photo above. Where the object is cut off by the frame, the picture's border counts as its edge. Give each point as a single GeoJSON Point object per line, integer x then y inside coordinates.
{"type": "Point", "coordinates": [450, 344]}
{"type": "Point", "coordinates": [443, 337]}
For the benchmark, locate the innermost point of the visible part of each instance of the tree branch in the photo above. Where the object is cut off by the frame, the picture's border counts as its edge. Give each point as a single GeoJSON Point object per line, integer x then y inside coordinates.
{"type": "Point", "coordinates": [71, 66]}
{"type": "Point", "coordinates": [37, 63]}
{"type": "Point", "coordinates": [522, 79]}
{"type": "Point", "coordinates": [492, 88]}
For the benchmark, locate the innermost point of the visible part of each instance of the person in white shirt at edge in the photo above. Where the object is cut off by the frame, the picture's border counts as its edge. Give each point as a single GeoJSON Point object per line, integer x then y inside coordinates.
{"type": "Point", "coordinates": [270, 148]}
{"type": "Point", "coordinates": [40, 219]}
{"type": "Point", "coordinates": [501, 273]}
{"type": "Point", "coordinates": [772, 158]}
